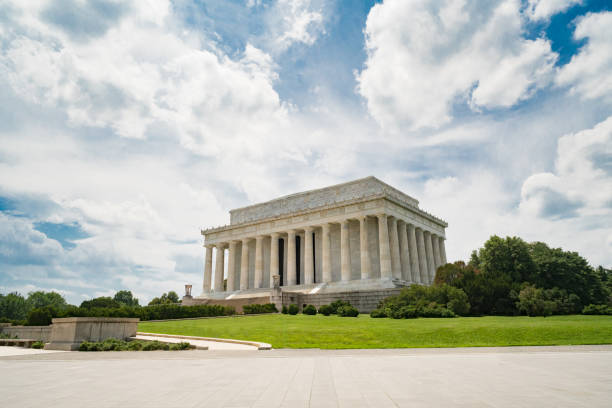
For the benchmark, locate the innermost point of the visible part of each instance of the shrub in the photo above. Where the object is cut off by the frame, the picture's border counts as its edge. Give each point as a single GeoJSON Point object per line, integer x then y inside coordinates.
{"type": "Point", "coordinates": [597, 310]}
{"type": "Point", "coordinates": [284, 310]}
{"type": "Point", "coordinates": [293, 309]}
{"type": "Point", "coordinates": [37, 345]}
{"type": "Point", "coordinates": [259, 308]}
{"type": "Point", "coordinates": [337, 304]}
{"type": "Point", "coordinates": [376, 313]}
{"type": "Point", "coordinates": [348, 311]}
{"type": "Point", "coordinates": [325, 310]}
{"type": "Point", "coordinates": [533, 303]}
{"type": "Point", "coordinates": [310, 310]}
{"type": "Point", "coordinates": [436, 311]}
{"type": "Point", "coordinates": [135, 345]}
{"type": "Point", "coordinates": [39, 317]}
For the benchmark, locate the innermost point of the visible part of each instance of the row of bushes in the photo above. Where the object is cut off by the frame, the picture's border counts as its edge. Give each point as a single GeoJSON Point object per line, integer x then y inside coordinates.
{"type": "Point", "coordinates": [134, 345]}
{"type": "Point", "coordinates": [597, 310]}
{"type": "Point", "coordinates": [339, 307]}
{"type": "Point", "coordinates": [259, 308]}
{"type": "Point", "coordinates": [42, 316]}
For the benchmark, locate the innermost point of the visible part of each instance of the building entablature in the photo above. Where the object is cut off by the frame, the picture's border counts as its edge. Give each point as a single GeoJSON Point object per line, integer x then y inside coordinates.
{"type": "Point", "coordinates": [333, 213]}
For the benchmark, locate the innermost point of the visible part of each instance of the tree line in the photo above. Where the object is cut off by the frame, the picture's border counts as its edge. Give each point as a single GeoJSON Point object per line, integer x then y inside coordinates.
{"type": "Point", "coordinates": [39, 307]}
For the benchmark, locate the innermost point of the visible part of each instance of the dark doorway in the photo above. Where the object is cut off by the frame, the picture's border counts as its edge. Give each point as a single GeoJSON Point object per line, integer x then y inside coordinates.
{"type": "Point", "coordinates": [314, 259]}
{"type": "Point", "coordinates": [297, 258]}
{"type": "Point", "coordinates": [281, 260]}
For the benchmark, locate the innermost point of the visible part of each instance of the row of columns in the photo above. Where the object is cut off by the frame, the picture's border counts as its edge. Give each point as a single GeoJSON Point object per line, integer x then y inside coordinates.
{"type": "Point", "coordinates": [405, 252]}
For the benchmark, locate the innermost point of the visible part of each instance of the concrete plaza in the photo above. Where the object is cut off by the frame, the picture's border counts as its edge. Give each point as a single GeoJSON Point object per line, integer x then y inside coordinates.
{"type": "Point", "coordinates": [471, 377]}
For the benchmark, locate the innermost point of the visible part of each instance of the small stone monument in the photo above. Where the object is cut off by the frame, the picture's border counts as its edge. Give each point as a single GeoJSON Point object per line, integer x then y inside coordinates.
{"type": "Point", "coordinates": [187, 299]}
{"type": "Point", "coordinates": [276, 296]}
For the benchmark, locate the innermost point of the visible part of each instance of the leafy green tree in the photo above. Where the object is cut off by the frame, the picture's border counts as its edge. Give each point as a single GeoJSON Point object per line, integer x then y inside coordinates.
{"type": "Point", "coordinates": [125, 297]}
{"type": "Point", "coordinates": [567, 271]}
{"type": "Point", "coordinates": [100, 302]}
{"type": "Point", "coordinates": [450, 273]}
{"type": "Point", "coordinates": [41, 299]}
{"type": "Point", "coordinates": [509, 257]}
{"type": "Point", "coordinates": [170, 297]}
{"type": "Point", "coordinates": [13, 306]}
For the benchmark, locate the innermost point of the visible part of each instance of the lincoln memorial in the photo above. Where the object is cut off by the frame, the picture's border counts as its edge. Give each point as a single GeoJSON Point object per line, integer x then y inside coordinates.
{"type": "Point", "coordinates": [362, 239]}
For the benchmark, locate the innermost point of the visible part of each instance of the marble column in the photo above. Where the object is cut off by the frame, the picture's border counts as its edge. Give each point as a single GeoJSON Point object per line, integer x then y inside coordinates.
{"type": "Point", "coordinates": [345, 251]}
{"type": "Point", "coordinates": [423, 271]}
{"type": "Point", "coordinates": [435, 243]}
{"type": "Point", "coordinates": [364, 248]}
{"type": "Point", "coordinates": [383, 242]}
{"type": "Point", "coordinates": [431, 267]}
{"type": "Point", "coordinates": [308, 259]}
{"type": "Point", "coordinates": [396, 265]}
{"type": "Point", "coordinates": [231, 267]}
{"type": "Point", "coordinates": [244, 265]}
{"type": "Point", "coordinates": [207, 269]}
{"type": "Point", "coordinates": [442, 250]}
{"type": "Point", "coordinates": [291, 272]}
{"type": "Point", "coordinates": [326, 252]}
{"type": "Point", "coordinates": [404, 255]}
{"type": "Point", "coordinates": [219, 267]}
{"type": "Point", "coordinates": [413, 253]}
{"type": "Point", "coordinates": [259, 261]}
{"type": "Point", "coordinates": [274, 269]}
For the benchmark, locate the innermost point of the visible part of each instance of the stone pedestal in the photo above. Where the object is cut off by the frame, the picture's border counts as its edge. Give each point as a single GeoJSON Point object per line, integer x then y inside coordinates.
{"type": "Point", "coordinates": [68, 333]}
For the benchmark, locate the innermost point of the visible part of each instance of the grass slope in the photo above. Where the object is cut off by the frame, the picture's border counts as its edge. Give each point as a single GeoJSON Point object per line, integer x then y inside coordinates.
{"type": "Point", "coordinates": [332, 332]}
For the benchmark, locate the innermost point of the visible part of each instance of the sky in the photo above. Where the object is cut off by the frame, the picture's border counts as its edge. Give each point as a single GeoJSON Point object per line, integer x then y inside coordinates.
{"type": "Point", "coordinates": [127, 127]}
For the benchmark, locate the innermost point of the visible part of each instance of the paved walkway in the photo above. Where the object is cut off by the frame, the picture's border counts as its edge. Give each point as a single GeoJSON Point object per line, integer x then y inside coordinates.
{"type": "Point", "coordinates": [485, 377]}
{"type": "Point", "coordinates": [212, 345]}
{"type": "Point", "coordinates": [19, 351]}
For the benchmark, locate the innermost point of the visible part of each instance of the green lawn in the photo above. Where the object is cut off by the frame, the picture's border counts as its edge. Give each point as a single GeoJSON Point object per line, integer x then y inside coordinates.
{"type": "Point", "coordinates": [284, 331]}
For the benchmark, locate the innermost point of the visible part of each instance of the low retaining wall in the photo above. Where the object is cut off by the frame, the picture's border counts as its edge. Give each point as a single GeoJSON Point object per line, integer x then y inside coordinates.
{"type": "Point", "coordinates": [41, 333]}
{"type": "Point", "coordinates": [364, 300]}
{"type": "Point", "coordinates": [68, 333]}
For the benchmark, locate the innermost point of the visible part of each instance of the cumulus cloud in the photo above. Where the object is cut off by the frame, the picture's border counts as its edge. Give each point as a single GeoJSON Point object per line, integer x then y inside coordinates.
{"type": "Point", "coordinates": [136, 72]}
{"type": "Point", "coordinates": [589, 73]}
{"type": "Point", "coordinates": [291, 22]}
{"type": "Point", "coordinates": [424, 57]}
{"type": "Point", "coordinates": [543, 9]}
{"type": "Point", "coordinates": [582, 181]}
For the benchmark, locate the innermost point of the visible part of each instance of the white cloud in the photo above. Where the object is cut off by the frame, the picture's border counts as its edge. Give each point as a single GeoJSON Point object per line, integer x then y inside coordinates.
{"type": "Point", "coordinates": [424, 57]}
{"type": "Point", "coordinates": [291, 22]}
{"type": "Point", "coordinates": [589, 73]}
{"type": "Point", "coordinates": [581, 185]}
{"type": "Point", "coordinates": [151, 73]}
{"type": "Point", "coordinates": [543, 9]}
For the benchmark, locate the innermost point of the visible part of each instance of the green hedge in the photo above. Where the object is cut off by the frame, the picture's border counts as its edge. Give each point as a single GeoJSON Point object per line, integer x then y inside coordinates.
{"type": "Point", "coordinates": [134, 345]}
{"type": "Point", "coordinates": [259, 308]}
{"type": "Point", "coordinates": [597, 310]}
{"type": "Point", "coordinates": [156, 312]}
{"type": "Point", "coordinates": [309, 310]}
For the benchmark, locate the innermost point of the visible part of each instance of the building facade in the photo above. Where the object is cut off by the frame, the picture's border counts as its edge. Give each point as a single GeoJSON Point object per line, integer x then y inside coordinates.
{"type": "Point", "coordinates": [358, 236]}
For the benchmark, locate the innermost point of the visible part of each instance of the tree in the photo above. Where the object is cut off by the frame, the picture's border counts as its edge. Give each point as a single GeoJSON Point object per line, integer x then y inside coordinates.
{"type": "Point", "coordinates": [567, 271]}
{"type": "Point", "coordinates": [170, 297]}
{"type": "Point", "coordinates": [532, 302]}
{"type": "Point", "coordinates": [13, 306]}
{"type": "Point", "coordinates": [509, 257]}
{"type": "Point", "coordinates": [125, 297]}
{"type": "Point", "coordinates": [41, 299]}
{"type": "Point", "coordinates": [100, 302]}
{"type": "Point", "coordinates": [451, 272]}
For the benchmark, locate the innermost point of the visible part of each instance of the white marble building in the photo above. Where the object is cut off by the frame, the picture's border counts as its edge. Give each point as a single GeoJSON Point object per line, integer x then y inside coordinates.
{"type": "Point", "coordinates": [360, 235]}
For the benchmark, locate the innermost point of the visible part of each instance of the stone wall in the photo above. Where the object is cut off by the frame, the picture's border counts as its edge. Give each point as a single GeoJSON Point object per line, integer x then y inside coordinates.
{"type": "Point", "coordinates": [365, 300]}
{"type": "Point", "coordinates": [68, 333]}
{"type": "Point", "coordinates": [41, 333]}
